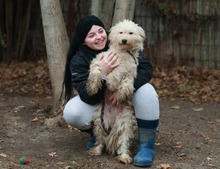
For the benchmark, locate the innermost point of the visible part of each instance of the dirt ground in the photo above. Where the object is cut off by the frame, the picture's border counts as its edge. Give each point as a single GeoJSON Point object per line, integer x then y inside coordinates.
{"type": "Point", "coordinates": [188, 138]}
{"type": "Point", "coordinates": [188, 134]}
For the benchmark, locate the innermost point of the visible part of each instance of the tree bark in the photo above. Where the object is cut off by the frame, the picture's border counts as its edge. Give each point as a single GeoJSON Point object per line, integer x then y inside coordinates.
{"type": "Point", "coordinates": [104, 10]}
{"type": "Point", "coordinates": [57, 43]}
{"type": "Point", "coordinates": [96, 7]}
{"type": "Point", "coordinates": [124, 9]}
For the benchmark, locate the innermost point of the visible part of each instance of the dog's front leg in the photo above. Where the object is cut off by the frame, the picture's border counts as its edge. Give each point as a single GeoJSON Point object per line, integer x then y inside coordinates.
{"type": "Point", "coordinates": [125, 90]}
{"type": "Point", "coordinates": [94, 82]}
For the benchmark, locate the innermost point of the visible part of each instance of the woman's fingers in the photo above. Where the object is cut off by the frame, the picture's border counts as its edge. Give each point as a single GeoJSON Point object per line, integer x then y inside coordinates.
{"type": "Point", "coordinates": [112, 57]}
{"type": "Point", "coordinates": [113, 60]}
{"type": "Point", "coordinates": [108, 62]}
{"type": "Point", "coordinates": [116, 64]}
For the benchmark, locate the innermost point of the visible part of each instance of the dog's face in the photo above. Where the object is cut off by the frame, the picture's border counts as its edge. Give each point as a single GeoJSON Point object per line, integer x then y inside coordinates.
{"type": "Point", "coordinates": [127, 35]}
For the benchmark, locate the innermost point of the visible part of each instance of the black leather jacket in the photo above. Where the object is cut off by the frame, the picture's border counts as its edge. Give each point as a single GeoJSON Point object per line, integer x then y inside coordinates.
{"type": "Point", "coordinates": [79, 68]}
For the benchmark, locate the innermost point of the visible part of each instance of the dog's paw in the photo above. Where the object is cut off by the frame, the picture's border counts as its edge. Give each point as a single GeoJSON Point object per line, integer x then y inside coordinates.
{"type": "Point", "coordinates": [95, 151]}
{"type": "Point", "coordinates": [125, 158]}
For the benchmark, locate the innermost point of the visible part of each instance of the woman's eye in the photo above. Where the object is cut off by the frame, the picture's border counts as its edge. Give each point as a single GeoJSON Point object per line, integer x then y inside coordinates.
{"type": "Point", "coordinates": [91, 36]}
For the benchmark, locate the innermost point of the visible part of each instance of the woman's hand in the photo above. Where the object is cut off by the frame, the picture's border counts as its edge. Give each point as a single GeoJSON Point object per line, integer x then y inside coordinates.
{"type": "Point", "coordinates": [108, 63]}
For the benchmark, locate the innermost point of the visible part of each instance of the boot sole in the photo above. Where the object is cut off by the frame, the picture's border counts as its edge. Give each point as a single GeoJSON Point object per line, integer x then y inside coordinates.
{"type": "Point", "coordinates": [143, 165]}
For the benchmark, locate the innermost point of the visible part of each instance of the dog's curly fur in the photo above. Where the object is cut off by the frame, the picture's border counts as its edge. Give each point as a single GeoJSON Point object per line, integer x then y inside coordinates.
{"type": "Point", "coordinates": [115, 126]}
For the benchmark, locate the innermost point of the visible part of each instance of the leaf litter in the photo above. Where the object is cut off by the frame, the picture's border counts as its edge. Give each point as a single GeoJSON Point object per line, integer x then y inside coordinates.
{"type": "Point", "coordinates": [196, 84]}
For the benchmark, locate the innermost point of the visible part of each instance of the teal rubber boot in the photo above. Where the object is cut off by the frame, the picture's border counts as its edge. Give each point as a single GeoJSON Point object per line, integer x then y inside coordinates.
{"type": "Point", "coordinates": [145, 155]}
{"type": "Point", "coordinates": [91, 142]}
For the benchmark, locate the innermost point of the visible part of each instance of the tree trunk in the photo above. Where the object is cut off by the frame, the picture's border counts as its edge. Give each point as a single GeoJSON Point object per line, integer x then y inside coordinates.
{"type": "Point", "coordinates": [72, 16]}
{"type": "Point", "coordinates": [96, 7]}
{"type": "Point", "coordinates": [57, 43]}
{"type": "Point", "coordinates": [124, 9]}
{"type": "Point", "coordinates": [104, 10]}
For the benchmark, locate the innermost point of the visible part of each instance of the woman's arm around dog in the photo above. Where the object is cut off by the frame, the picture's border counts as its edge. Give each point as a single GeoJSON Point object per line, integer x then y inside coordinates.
{"type": "Point", "coordinates": [144, 71]}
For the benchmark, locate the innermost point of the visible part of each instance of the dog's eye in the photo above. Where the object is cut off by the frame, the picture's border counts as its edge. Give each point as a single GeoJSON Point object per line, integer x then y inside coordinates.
{"type": "Point", "coordinates": [130, 33]}
{"type": "Point", "coordinates": [120, 32]}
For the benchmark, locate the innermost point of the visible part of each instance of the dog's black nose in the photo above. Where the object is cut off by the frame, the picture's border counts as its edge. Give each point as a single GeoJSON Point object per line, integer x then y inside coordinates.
{"type": "Point", "coordinates": [124, 41]}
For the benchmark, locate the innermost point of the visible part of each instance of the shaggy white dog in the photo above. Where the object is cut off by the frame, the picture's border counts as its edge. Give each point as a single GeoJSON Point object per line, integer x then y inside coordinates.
{"type": "Point", "coordinates": [115, 125]}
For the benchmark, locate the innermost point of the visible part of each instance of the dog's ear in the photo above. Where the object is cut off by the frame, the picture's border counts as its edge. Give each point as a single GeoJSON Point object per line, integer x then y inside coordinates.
{"type": "Point", "coordinates": [109, 36]}
{"type": "Point", "coordinates": [111, 33]}
{"type": "Point", "coordinates": [141, 32]}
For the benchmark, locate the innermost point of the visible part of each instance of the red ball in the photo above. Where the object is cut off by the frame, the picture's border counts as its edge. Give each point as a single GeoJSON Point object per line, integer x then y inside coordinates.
{"type": "Point", "coordinates": [27, 160]}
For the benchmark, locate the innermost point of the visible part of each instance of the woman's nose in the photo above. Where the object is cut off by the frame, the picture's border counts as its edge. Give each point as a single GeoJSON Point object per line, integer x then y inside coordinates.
{"type": "Point", "coordinates": [98, 36]}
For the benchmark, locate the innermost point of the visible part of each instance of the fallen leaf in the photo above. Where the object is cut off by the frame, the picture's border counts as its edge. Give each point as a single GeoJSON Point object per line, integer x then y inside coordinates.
{"type": "Point", "coordinates": [198, 109]}
{"type": "Point", "coordinates": [181, 88]}
{"type": "Point", "coordinates": [3, 155]}
{"type": "Point", "coordinates": [209, 139]}
{"type": "Point", "coordinates": [217, 120]}
{"type": "Point", "coordinates": [175, 107]}
{"type": "Point", "coordinates": [210, 158]}
{"type": "Point", "coordinates": [21, 107]}
{"type": "Point", "coordinates": [35, 119]}
{"type": "Point", "coordinates": [52, 154]}
{"type": "Point", "coordinates": [179, 145]}
{"type": "Point", "coordinates": [157, 144]}
{"type": "Point", "coordinates": [182, 155]}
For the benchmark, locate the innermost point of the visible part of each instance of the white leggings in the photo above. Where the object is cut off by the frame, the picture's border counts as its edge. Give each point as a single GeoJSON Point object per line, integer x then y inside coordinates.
{"type": "Point", "coordinates": [79, 114]}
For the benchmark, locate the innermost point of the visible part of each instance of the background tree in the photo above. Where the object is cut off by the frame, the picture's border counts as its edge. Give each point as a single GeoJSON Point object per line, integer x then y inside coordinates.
{"type": "Point", "coordinates": [111, 12]}
{"type": "Point", "coordinates": [14, 25]}
{"type": "Point", "coordinates": [56, 43]}
{"type": "Point", "coordinates": [124, 9]}
{"type": "Point", "coordinates": [104, 10]}
{"type": "Point", "coordinates": [96, 7]}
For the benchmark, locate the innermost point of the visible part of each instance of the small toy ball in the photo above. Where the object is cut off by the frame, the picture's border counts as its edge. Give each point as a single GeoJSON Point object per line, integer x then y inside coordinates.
{"type": "Point", "coordinates": [24, 160]}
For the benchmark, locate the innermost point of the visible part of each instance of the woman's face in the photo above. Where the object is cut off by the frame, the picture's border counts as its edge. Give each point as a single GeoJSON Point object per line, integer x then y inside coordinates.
{"type": "Point", "coordinates": [96, 38]}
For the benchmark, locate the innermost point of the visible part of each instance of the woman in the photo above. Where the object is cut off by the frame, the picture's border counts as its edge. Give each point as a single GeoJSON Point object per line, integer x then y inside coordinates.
{"type": "Point", "coordinates": [89, 39]}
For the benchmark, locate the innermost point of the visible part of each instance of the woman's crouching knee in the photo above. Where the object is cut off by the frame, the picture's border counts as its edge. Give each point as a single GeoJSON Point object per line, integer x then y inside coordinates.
{"type": "Point", "coordinates": [78, 114]}
{"type": "Point", "coordinates": [77, 120]}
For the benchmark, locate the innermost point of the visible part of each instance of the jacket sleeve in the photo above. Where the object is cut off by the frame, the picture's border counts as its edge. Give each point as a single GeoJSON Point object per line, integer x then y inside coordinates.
{"type": "Point", "coordinates": [80, 75]}
{"type": "Point", "coordinates": [144, 71]}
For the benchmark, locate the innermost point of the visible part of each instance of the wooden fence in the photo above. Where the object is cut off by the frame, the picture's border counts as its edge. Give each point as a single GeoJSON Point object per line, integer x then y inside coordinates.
{"type": "Point", "coordinates": [181, 32]}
